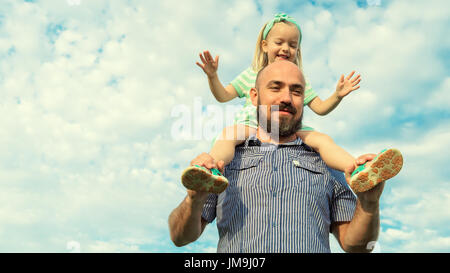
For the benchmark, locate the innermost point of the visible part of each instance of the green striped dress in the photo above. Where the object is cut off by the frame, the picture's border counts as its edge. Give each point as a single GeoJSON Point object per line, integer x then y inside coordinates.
{"type": "Point", "coordinates": [247, 116]}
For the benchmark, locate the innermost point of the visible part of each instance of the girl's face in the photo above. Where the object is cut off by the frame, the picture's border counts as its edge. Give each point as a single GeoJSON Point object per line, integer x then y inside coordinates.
{"type": "Point", "coordinates": [281, 43]}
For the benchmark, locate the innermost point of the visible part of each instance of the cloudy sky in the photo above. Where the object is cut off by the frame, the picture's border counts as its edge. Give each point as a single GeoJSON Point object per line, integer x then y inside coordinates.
{"type": "Point", "coordinates": [93, 93]}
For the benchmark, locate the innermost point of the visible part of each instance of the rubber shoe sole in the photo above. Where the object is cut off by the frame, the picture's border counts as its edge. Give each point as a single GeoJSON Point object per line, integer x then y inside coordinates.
{"type": "Point", "coordinates": [198, 178]}
{"type": "Point", "coordinates": [386, 165]}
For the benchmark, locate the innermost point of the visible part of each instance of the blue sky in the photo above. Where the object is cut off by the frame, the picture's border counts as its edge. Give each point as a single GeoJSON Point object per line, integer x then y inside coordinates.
{"type": "Point", "coordinates": [88, 88]}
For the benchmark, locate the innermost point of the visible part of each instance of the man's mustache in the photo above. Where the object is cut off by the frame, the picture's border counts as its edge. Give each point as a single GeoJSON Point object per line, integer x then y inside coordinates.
{"type": "Point", "coordinates": [284, 107]}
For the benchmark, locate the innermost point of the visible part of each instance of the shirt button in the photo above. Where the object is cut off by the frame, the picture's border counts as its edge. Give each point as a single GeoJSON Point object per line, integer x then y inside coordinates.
{"type": "Point", "coordinates": [275, 169]}
{"type": "Point", "coordinates": [274, 194]}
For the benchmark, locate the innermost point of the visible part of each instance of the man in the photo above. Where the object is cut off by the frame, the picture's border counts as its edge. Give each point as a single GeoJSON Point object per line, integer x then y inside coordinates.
{"type": "Point", "coordinates": [281, 196]}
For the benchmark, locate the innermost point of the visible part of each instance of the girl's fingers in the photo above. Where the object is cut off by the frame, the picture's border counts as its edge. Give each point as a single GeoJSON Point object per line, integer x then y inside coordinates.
{"type": "Point", "coordinates": [201, 66]}
{"type": "Point", "coordinates": [208, 56]}
{"type": "Point", "coordinates": [217, 59]}
{"type": "Point", "coordinates": [357, 78]}
{"type": "Point", "coordinates": [355, 88]}
{"type": "Point", "coordinates": [202, 58]}
{"type": "Point", "coordinates": [342, 78]}
{"type": "Point", "coordinates": [351, 75]}
{"type": "Point", "coordinates": [357, 82]}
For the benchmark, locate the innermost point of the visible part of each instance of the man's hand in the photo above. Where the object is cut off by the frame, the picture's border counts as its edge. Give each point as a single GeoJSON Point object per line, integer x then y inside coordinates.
{"type": "Point", "coordinates": [207, 161]}
{"type": "Point", "coordinates": [347, 85]}
{"type": "Point", "coordinates": [185, 222]}
{"type": "Point", "coordinates": [369, 199]}
{"type": "Point", "coordinates": [209, 65]}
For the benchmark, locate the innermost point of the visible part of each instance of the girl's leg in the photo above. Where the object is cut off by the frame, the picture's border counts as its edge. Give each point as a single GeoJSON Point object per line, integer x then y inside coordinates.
{"type": "Point", "coordinates": [333, 155]}
{"type": "Point", "coordinates": [223, 148]}
{"type": "Point", "coordinates": [386, 165]}
{"type": "Point", "coordinates": [198, 178]}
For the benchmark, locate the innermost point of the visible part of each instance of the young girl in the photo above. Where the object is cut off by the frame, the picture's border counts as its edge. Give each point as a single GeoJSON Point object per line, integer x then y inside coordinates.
{"type": "Point", "coordinates": [279, 39]}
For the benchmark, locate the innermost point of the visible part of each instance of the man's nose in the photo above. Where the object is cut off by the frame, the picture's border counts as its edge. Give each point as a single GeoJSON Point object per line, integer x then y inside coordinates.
{"type": "Point", "coordinates": [285, 96]}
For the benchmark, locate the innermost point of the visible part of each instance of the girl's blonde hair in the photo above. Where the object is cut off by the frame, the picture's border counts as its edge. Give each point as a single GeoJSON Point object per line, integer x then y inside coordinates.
{"type": "Point", "coordinates": [260, 60]}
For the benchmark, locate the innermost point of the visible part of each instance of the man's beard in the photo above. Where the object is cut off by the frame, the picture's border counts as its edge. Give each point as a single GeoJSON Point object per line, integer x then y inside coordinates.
{"type": "Point", "coordinates": [285, 127]}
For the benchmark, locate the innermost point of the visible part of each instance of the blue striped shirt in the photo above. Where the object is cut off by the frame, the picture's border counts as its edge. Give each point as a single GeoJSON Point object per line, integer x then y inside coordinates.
{"type": "Point", "coordinates": [281, 198]}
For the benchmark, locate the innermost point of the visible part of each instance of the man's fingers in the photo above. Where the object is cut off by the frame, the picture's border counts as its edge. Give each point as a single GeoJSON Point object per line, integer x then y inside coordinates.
{"type": "Point", "coordinates": [202, 159]}
{"type": "Point", "coordinates": [348, 171]}
{"type": "Point", "coordinates": [210, 164]}
{"type": "Point", "coordinates": [221, 165]}
{"type": "Point", "coordinates": [364, 158]}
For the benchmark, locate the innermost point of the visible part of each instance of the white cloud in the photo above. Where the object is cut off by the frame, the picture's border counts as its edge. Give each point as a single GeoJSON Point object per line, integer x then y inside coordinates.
{"type": "Point", "coordinates": [421, 241]}
{"type": "Point", "coordinates": [397, 50]}
{"type": "Point", "coordinates": [87, 92]}
{"type": "Point", "coordinates": [105, 247]}
{"type": "Point", "coordinates": [440, 99]}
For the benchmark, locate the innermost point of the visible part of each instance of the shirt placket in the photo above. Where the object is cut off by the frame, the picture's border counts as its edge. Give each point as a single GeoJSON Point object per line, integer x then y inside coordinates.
{"type": "Point", "coordinates": [275, 195]}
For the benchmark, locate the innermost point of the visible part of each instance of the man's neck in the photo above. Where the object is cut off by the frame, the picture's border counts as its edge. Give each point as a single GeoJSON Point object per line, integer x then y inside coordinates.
{"type": "Point", "coordinates": [266, 137]}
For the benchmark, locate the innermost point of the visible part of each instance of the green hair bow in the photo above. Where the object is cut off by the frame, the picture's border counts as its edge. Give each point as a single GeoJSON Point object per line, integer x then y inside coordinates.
{"type": "Point", "coordinates": [280, 17]}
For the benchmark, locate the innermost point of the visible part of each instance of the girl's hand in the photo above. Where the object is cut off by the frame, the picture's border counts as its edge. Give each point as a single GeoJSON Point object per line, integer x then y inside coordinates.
{"type": "Point", "coordinates": [347, 85]}
{"type": "Point", "coordinates": [209, 65]}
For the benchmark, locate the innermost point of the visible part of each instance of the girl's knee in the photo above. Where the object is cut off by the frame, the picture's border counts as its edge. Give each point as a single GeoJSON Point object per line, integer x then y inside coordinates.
{"type": "Point", "coordinates": [238, 132]}
{"type": "Point", "coordinates": [315, 139]}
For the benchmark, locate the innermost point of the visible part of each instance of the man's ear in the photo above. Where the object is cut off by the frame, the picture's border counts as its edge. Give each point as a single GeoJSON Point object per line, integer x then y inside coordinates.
{"type": "Point", "coordinates": [254, 96]}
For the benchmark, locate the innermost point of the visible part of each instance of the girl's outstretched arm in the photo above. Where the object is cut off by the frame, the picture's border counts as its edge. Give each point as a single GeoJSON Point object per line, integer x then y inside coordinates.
{"type": "Point", "coordinates": [210, 66]}
{"type": "Point", "coordinates": [344, 87]}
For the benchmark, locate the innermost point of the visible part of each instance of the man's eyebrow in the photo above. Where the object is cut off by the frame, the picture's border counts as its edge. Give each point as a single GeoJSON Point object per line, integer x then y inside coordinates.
{"type": "Point", "coordinates": [274, 82]}
{"type": "Point", "coordinates": [296, 86]}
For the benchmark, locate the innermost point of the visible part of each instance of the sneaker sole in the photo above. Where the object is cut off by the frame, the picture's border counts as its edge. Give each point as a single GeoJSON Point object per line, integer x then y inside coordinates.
{"type": "Point", "coordinates": [387, 165]}
{"type": "Point", "coordinates": [197, 179]}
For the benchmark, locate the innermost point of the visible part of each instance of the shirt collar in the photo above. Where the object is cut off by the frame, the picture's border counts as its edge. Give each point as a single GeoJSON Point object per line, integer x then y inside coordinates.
{"type": "Point", "coordinates": [252, 140]}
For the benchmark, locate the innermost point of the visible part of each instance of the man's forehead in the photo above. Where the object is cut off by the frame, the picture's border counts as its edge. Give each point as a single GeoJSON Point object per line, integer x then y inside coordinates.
{"type": "Point", "coordinates": [282, 75]}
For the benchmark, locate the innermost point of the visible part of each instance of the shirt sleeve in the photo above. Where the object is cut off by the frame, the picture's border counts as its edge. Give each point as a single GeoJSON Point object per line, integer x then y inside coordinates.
{"type": "Point", "coordinates": [209, 209]}
{"type": "Point", "coordinates": [310, 94]}
{"type": "Point", "coordinates": [244, 82]}
{"type": "Point", "coordinates": [344, 200]}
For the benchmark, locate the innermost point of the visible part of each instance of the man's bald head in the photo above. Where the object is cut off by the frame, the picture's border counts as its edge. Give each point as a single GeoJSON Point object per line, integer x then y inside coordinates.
{"type": "Point", "coordinates": [284, 65]}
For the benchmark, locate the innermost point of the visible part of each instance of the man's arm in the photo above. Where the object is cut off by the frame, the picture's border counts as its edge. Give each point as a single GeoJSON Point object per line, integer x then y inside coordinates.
{"type": "Point", "coordinates": [355, 236]}
{"type": "Point", "coordinates": [185, 222]}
